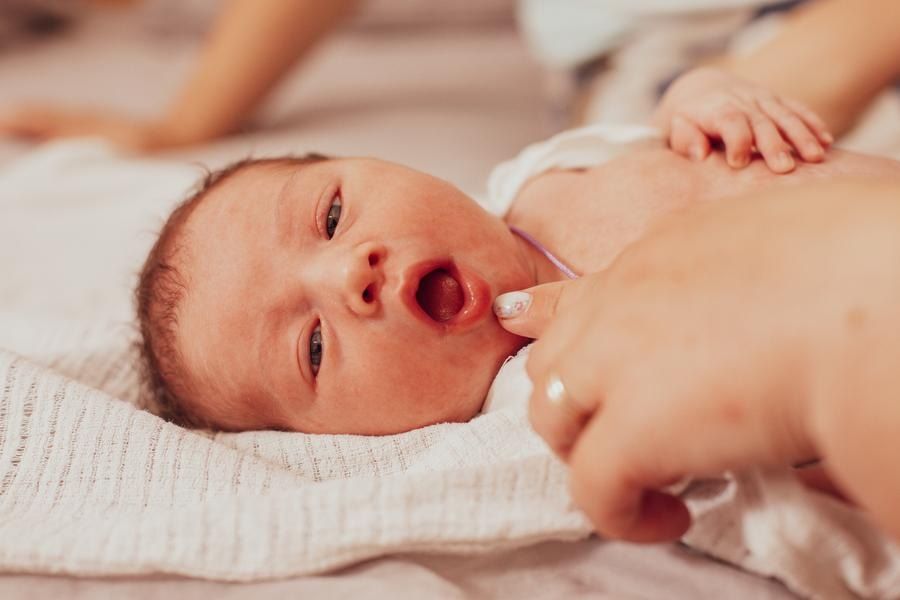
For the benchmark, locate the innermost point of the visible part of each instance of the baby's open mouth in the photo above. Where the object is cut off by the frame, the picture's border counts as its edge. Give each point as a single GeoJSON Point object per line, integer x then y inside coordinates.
{"type": "Point", "coordinates": [440, 295]}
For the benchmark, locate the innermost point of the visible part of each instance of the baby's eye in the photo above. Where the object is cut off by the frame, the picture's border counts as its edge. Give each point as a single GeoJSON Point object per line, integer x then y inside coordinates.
{"type": "Point", "coordinates": [334, 215]}
{"type": "Point", "coordinates": [315, 349]}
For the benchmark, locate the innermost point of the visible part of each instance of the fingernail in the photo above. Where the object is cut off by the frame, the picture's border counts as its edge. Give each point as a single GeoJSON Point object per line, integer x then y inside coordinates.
{"type": "Point", "coordinates": [827, 138]}
{"type": "Point", "coordinates": [697, 153]}
{"type": "Point", "coordinates": [511, 304]}
{"type": "Point", "coordinates": [815, 151]}
{"type": "Point", "coordinates": [739, 162]}
{"type": "Point", "coordinates": [785, 162]}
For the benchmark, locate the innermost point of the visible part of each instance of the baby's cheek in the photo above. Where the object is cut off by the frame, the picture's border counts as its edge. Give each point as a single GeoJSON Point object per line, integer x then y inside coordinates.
{"type": "Point", "coordinates": [420, 378]}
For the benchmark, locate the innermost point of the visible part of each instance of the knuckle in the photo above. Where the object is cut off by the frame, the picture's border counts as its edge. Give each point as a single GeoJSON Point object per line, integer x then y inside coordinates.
{"type": "Point", "coordinates": [771, 105]}
{"type": "Point", "coordinates": [771, 143]}
{"type": "Point", "coordinates": [555, 302]}
{"type": "Point", "coordinates": [792, 120]}
{"type": "Point", "coordinates": [731, 117]}
{"type": "Point", "coordinates": [800, 107]}
{"type": "Point", "coordinates": [762, 123]}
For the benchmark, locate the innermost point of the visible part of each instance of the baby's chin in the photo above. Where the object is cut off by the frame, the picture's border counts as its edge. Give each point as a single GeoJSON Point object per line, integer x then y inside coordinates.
{"type": "Point", "coordinates": [464, 403]}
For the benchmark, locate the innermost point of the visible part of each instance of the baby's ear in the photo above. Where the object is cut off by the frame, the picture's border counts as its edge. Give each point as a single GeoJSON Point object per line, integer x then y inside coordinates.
{"type": "Point", "coordinates": [528, 312]}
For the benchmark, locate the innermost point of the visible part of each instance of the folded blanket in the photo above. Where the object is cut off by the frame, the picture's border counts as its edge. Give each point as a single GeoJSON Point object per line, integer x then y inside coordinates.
{"type": "Point", "coordinates": [90, 485]}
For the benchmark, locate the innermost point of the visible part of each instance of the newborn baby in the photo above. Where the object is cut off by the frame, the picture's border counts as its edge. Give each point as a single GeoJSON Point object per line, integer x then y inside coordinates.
{"type": "Point", "coordinates": [354, 295]}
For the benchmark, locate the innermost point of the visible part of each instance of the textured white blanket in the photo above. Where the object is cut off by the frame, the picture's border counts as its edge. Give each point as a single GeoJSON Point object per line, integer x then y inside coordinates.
{"type": "Point", "coordinates": [91, 485]}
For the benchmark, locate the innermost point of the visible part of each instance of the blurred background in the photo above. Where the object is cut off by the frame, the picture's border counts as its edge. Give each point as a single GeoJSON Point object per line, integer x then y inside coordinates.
{"type": "Point", "coordinates": [446, 87]}
{"type": "Point", "coordinates": [451, 88]}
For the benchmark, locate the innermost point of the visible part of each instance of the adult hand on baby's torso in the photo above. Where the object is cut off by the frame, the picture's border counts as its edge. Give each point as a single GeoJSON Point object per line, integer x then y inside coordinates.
{"type": "Point", "coordinates": [589, 216]}
{"type": "Point", "coordinates": [708, 105]}
{"type": "Point", "coordinates": [686, 358]}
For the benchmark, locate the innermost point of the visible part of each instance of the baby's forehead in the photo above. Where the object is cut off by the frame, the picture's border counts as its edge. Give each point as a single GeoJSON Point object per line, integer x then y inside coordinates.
{"type": "Point", "coordinates": [237, 198]}
{"type": "Point", "coordinates": [221, 246]}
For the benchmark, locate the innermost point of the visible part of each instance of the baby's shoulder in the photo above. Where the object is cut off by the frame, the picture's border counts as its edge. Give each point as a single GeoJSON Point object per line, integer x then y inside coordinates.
{"type": "Point", "coordinates": [571, 150]}
{"type": "Point", "coordinates": [639, 170]}
{"type": "Point", "coordinates": [545, 194]}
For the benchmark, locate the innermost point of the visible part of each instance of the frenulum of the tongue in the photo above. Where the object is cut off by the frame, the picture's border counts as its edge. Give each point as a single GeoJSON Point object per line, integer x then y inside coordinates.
{"type": "Point", "coordinates": [440, 295]}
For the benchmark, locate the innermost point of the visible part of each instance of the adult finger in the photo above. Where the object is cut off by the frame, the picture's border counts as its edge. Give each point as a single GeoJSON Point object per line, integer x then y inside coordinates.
{"type": "Point", "coordinates": [734, 129]}
{"type": "Point", "coordinates": [817, 478]}
{"type": "Point", "coordinates": [812, 120]}
{"type": "Point", "coordinates": [10, 121]}
{"type": "Point", "coordinates": [795, 130]}
{"type": "Point", "coordinates": [616, 492]}
{"type": "Point", "coordinates": [528, 312]}
{"type": "Point", "coordinates": [25, 122]}
{"type": "Point", "coordinates": [564, 397]}
{"type": "Point", "coordinates": [772, 147]}
{"type": "Point", "coordinates": [687, 139]}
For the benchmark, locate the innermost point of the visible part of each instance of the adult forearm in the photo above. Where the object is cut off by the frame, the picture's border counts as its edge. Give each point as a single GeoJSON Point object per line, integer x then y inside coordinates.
{"type": "Point", "coordinates": [855, 391]}
{"type": "Point", "coordinates": [252, 45]}
{"type": "Point", "coordinates": [833, 55]}
{"type": "Point", "coordinates": [859, 433]}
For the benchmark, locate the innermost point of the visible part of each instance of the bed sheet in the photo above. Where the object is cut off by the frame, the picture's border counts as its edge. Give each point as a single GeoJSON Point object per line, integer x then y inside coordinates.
{"type": "Point", "coordinates": [586, 569]}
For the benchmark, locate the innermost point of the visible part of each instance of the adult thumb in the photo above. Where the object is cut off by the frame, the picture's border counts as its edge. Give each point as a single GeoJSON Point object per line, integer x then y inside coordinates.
{"type": "Point", "coordinates": [528, 312]}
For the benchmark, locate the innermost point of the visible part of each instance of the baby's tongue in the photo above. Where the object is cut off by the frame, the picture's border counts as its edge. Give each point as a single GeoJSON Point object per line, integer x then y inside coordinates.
{"type": "Point", "coordinates": [440, 295]}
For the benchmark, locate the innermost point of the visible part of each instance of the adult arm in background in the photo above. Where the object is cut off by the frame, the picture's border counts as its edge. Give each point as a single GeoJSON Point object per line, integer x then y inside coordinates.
{"type": "Point", "coordinates": [825, 65]}
{"type": "Point", "coordinates": [252, 45]}
{"type": "Point", "coordinates": [833, 56]}
{"type": "Point", "coordinates": [763, 331]}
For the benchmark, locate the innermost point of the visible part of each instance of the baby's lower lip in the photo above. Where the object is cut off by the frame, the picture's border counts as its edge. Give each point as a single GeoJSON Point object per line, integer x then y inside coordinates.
{"type": "Point", "coordinates": [476, 292]}
{"type": "Point", "coordinates": [477, 299]}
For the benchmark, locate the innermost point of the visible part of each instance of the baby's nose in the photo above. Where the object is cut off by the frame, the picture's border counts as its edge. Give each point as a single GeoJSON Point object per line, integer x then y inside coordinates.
{"type": "Point", "coordinates": [364, 279]}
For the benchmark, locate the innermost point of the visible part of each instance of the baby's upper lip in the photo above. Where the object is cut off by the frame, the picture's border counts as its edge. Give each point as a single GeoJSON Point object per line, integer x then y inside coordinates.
{"type": "Point", "coordinates": [476, 294]}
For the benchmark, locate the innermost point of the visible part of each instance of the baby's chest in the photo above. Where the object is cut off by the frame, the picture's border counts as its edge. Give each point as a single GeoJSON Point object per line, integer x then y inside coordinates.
{"type": "Point", "coordinates": [589, 216]}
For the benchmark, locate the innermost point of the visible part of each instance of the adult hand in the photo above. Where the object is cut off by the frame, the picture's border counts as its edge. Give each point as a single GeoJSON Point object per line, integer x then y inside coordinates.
{"type": "Point", "coordinates": [708, 104]}
{"type": "Point", "coordinates": [702, 349]}
{"type": "Point", "coordinates": [41, 123]}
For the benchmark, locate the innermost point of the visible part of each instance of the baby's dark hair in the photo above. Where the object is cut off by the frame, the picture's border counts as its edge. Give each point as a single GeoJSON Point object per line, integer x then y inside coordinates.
{"type": "Point", "coordinates": [160, 292]}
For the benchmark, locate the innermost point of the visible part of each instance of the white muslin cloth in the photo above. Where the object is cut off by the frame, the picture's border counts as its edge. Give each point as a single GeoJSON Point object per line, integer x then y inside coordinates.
{"type": "Point", "coordinates": [90, 485]}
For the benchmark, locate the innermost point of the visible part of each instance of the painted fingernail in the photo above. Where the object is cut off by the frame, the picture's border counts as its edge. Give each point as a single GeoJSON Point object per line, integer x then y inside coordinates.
{"type": "Point", "coordinates": [511, 304]}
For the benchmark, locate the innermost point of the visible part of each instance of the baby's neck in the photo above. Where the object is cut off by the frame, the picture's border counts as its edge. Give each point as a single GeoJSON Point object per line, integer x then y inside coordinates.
{"type": "Point", "coordinates": [551, 257]}
{"type": "Point", "coordinates": [541, 267]}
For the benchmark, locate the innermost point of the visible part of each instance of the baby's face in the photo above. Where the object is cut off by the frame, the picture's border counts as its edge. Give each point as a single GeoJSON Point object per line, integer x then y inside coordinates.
{"type": "Point", "coordinates": [346, 296]}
